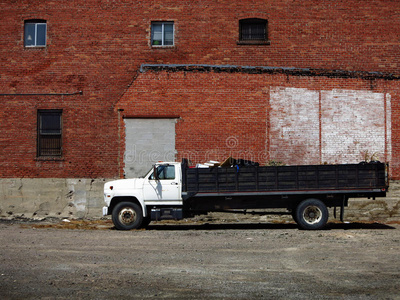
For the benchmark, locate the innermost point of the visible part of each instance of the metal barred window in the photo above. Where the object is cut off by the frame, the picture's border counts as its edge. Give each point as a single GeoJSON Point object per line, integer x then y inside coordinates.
{"type": "Point", "coordinates": [49, 133]}
{"type": "Point", "coordinates": [253, 30]}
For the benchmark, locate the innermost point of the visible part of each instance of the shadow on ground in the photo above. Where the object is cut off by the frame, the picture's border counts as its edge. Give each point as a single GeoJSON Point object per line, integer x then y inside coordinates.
{"type": "Point", "coordinates": [269, 226]}
{"type": "Point", "coordinates": [185, 225]}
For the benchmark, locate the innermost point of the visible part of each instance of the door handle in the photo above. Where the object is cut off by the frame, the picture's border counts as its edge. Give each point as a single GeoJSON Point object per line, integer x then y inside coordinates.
{"type": "Point", "coordinates": [174, 183]}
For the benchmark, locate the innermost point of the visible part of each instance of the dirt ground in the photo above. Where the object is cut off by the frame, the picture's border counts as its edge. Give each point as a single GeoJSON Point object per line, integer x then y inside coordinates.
{"type": "Point", "coordinates": [198, 260]}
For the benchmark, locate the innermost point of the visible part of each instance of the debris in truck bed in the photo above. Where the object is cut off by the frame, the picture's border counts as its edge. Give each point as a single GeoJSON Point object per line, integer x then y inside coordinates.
{"type": "Point", "coordinates": [230, 162]}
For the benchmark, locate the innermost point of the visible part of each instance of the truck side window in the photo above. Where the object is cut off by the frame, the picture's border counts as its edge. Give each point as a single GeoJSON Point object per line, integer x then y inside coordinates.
{"type": "Point", "coordinates": [165, 172]}
{"type": "Point", "coordinates": [169, 172]}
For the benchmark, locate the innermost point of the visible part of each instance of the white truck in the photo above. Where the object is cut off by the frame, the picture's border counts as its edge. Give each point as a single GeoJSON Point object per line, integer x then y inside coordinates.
{"type": "Point", "coordinates": [172, 190]}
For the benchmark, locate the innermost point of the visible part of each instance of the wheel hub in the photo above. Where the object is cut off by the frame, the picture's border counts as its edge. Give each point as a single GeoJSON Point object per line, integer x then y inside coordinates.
{"type": "Point", "coordinates": [312, 214]}
{"type": "Point", "coordinates": [127, 216]}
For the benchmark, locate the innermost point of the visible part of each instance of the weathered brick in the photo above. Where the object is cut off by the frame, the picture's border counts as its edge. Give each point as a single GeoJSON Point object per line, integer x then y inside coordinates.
{"type": "Point", "coordinates": [98, 46]}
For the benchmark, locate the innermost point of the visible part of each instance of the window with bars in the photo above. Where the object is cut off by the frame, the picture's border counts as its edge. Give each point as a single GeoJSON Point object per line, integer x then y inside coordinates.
{"type": "Point", "coordinates": [162, 33]}
{"type": "Point", "coordinates": [49, 133]}
{"type": "Point", "coordinates": [253, 31]}
{"type": "Point", "coordinates": [35, 33]}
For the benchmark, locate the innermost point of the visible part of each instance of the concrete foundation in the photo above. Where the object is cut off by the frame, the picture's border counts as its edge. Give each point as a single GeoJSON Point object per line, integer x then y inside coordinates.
{"type": "Point", "coordinates": [83, 198]}
{"type": "Point", "coordinates": [380, 210]}
{"type": "Point", "coordinates": [54, 197]}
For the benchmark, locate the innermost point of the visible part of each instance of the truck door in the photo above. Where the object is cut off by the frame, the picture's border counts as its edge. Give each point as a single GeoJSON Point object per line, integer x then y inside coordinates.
{"type": "Point", "coordinates": [166, 187]}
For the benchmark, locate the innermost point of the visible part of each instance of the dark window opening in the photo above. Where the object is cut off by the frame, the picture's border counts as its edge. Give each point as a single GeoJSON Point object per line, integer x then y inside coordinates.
{"type": "Point", "coordinates": [253, 31]}
{"type": "Point", "coordinates": [49, 133]}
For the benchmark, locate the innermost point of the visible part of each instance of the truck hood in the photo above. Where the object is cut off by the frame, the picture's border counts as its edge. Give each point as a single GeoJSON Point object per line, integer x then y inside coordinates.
{"type": "Point", "coordinates": [124, 184]}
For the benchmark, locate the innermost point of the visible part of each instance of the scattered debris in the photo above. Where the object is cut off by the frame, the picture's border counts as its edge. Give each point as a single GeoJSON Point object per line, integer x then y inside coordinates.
{"type": "Point", "coordinates": [73, 224]}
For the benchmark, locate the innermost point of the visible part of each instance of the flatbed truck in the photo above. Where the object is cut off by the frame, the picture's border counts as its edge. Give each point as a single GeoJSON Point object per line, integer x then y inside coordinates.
{"type": "Point", "coordinates": [173, 190]}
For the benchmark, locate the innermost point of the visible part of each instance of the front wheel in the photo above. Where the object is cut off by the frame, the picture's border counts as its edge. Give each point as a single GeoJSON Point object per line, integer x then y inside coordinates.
{"type": "Point", "coordinates": [311, 214]}
{"type": "Point", "coordinates": [127, 216]}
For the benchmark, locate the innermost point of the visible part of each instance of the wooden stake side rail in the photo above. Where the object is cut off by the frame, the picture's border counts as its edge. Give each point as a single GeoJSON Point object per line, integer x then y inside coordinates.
{"type": "Point", "coordinates": [285, 178]}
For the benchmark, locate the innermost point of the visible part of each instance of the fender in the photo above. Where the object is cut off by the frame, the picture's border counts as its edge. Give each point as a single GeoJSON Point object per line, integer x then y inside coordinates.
{"type": "Point", "coordinates": [124, 190]}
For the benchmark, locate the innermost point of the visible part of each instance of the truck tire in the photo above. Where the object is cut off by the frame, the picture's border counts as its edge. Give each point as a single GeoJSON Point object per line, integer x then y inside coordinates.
{"type": "Point", "coordinates": [127, 216]}
{"type": "Point", "coordinates": [311, 214]}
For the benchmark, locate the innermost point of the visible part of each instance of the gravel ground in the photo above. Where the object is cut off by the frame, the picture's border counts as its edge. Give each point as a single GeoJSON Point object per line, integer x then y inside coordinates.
{"type": "Point", "coordinates": [91, 260]}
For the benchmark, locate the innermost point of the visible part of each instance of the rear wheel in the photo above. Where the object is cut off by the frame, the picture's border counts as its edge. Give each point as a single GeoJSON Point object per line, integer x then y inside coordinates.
{"type": "Point", "coordinates": [311, 214]}
{"type": "Point", "coordinates": [127, 215]}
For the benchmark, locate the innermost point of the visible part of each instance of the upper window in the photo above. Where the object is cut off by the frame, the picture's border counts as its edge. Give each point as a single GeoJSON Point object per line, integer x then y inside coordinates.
{"type": "Point", "coordinates": [253, 31]}
{"type": "Point", "coordinates": [35, 33]}
{"type": "Point", "coordinates": [49, 133]}
{"type": "Point", "coordinates": [162, 33]}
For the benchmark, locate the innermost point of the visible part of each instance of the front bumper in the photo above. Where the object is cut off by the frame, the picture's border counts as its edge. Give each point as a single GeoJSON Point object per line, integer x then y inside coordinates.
{"type": "Point", "coordinates": [105, 210]}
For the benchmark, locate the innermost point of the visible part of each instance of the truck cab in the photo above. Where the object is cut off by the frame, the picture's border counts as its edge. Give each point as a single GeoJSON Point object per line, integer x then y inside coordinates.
{"type": "Point", "coordinates": [131, 201]}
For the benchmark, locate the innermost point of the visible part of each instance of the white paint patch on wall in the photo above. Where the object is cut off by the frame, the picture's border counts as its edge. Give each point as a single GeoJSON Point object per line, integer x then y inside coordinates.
{"type": "Point", "coordinates": [294, 125]}
{"type": "Point", "coordinates": [352, 125]}
{"type": "Point", "coordinates": [336, 126]}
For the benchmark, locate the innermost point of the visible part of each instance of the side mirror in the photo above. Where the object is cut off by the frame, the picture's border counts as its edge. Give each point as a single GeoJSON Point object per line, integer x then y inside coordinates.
{"type": "Point", "coordinates": [155, 175]}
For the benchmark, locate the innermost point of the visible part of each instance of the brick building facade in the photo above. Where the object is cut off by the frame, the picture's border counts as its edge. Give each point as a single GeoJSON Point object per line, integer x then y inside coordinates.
{"type": "Point", "coordinates": [82, 84]}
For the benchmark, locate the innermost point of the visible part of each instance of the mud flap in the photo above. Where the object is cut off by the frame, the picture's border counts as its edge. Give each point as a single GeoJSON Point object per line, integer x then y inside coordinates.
{"type": "Point", "coordinates": [341, 210]}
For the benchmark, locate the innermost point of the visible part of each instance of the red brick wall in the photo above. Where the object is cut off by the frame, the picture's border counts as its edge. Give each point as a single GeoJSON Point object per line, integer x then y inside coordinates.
{"type": "Point", "coordinates": [97, 47]}
{"type": "Point", "coordinates": [223, 114]}
{"type": "Point", "coordinates": [89, 146]}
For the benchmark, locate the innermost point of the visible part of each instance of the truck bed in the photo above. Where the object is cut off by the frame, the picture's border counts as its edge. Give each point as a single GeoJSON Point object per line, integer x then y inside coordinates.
{"type": "Point", "coordinates": [345, 177]}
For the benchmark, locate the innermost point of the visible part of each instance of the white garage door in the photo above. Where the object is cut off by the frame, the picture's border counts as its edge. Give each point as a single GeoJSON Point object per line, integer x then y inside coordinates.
{"type": "Point", "coordinates": [148, 141]}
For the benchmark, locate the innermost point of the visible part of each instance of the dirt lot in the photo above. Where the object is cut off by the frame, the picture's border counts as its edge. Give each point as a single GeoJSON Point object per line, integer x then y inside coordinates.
{"type": "Point", "coordinates": [91, 260]}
